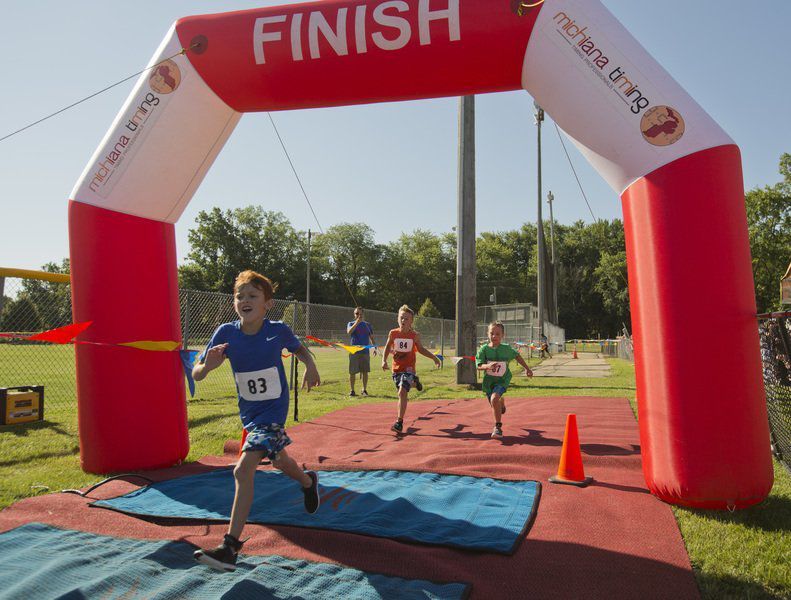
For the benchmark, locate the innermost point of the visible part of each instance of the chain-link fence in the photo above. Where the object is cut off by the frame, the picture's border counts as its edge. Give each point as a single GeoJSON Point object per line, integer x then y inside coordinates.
{"type": "Point", "coordinates": [521, 326]}
{"type": "Point", "coordinates": [620, 347]}
{"type": "Point", "coordinates": [29, 305]}
{"type": "Point", "coordinates": [202, 312]}
{"type": "Point", "coordinates": [775, 330]}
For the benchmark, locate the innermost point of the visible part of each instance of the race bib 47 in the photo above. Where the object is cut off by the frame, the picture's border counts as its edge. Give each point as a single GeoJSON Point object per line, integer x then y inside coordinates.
{"type": "Point", "coordinates": [497, 369]}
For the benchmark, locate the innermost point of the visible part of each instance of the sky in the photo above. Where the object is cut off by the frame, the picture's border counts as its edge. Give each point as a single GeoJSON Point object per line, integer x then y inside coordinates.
{"type": "Point", "coordinates": [390, 165]}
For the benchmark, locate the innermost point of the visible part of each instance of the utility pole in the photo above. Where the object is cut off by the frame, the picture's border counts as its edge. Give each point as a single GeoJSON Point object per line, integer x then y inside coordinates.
{"type": "Point", "coordinates": [539, 115]}
{"type": "Point", "coordinates": [307, 292]}
{"type": "Point", "coordinates": [550, 198]}
{"type": "Point", "coordinates": [466, 330]}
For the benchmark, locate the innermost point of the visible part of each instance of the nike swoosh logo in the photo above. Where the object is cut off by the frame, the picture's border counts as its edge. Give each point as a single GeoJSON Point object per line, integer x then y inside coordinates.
{"type": "Point", "coordinates": [270, 339]}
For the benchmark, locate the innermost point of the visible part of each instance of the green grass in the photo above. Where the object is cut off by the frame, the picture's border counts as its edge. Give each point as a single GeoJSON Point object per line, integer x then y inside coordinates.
{"type": "Point", "coordinates": [745, 554]}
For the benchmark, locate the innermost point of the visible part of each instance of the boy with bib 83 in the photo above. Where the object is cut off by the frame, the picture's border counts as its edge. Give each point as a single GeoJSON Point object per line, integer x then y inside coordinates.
{"type": "Point", "coordinates": [493, 359]}
{"type": "Point", "coordinates": [253, 344]}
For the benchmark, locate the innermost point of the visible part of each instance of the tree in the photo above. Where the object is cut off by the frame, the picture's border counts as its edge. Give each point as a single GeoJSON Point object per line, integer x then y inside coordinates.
{"type": "Point", "coordinates": [427, 309]}
{"type": "Point", "coordinates": [294, 317]}
{"type": "Point", "coordinates": [52, 301]}
{"type": "Point", "coordinates": [769, 226]}
{"type": "Point", "coordinates": [224, 243]}
{"type": "Point", "coordinates": [21, 315]}
{"type": "Point", "coordinates": [418, 264]}
{"type": "Point", "coordinates": [345, 259]}
{"type": "Point", "coordinates": [612, 287]}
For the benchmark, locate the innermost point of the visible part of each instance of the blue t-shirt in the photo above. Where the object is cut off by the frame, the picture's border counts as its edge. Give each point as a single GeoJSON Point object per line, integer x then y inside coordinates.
{"type": "Point", "coordinates": [361, 336]}
{"type": "Point", "coordinates": [258, 369]}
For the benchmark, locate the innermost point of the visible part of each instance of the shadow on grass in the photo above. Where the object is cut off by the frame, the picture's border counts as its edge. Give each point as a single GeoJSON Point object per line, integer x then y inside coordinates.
{"type": "Point", "coordinates": [28, 458]}
{"type": "Point", "coordinates": [196, 421]}
{"type": "Point", "coordinates": [24, 429]}
{"type": "Point", "coordinates": [725, 587]}
{"type": "Point", "coordinates": [773, 514]}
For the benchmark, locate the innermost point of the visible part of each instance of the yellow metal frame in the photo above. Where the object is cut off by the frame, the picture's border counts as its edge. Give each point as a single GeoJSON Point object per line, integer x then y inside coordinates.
{"type": "Point", "coordinates": [41, 275]}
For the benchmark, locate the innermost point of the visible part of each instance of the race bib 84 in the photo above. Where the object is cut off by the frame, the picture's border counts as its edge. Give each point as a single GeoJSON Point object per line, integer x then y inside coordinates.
{"type": "Point", "coordinates": [402, 344]}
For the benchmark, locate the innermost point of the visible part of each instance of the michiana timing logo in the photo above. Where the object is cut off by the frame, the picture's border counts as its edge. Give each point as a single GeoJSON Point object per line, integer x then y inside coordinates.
{"type": "Point", "coordinates": [662, 126]}
{"type": "Point", "coordinates": [165, 77]}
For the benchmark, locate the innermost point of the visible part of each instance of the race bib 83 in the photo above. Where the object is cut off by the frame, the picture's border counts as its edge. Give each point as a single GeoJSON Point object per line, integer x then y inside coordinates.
{"type": "Point", "coordinates": [259, 385]}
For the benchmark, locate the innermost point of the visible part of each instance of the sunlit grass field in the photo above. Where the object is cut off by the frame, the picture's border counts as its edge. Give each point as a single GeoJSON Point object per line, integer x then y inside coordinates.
{"type": "Point", "coordinates": [746, 554]}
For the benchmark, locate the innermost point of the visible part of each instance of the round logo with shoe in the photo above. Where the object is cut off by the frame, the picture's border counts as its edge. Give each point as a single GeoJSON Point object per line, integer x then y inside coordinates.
{"type": "Point", "coordinates": [165, 77]}
{"type": "Point", "coordinates": [662, 126]}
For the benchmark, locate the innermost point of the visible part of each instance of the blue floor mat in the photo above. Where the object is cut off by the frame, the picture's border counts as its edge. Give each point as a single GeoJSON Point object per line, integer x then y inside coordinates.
{"type": "Point", "coordinates": [39, 561]}
{"type": "Point", "coordinates": [449, 510]}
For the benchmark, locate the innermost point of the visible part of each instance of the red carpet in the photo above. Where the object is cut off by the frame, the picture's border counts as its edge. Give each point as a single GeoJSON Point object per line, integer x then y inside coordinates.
{"type": "Point", "coordinates": [610, 540]}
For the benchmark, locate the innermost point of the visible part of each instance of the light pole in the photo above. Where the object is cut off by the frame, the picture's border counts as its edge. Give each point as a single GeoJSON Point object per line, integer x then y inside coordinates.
{"type": "Point", "coordinates": [466, 335]}
{"type": "Point", "coordinates": [307, 292]}
{"type": "Point", "coordinates": [550, 198]}
{"type": "Point", "coordinates": [539, 116]}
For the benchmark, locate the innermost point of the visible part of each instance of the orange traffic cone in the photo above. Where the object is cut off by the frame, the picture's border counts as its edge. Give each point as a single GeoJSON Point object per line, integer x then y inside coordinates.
{"type": "Point", "coordinates": [570, 469]}
{"type": "Point", "coordinates": [575, 352]}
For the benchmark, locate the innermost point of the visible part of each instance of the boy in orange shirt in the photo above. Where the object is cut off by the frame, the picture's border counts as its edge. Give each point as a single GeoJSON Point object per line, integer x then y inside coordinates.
{"type": "Point", "coordinates": [404, 343]}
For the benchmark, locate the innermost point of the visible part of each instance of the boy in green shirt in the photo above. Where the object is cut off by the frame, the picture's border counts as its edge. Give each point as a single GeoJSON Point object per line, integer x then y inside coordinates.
{"type": "Point", "coordinates": [493, 358]}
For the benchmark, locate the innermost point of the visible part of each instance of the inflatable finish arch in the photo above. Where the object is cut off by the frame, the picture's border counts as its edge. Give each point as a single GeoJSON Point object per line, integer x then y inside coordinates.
{"type": "Point", "coordinates": [703, 424]}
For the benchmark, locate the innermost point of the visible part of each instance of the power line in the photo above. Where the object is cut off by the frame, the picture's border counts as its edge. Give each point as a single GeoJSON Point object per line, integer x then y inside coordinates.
{"type": "Point", "coordinates": [562, 143]}
{"type": "Point", "coordinates": [305, 194]}
{"type": "Point", "coordinates": [72, 105]}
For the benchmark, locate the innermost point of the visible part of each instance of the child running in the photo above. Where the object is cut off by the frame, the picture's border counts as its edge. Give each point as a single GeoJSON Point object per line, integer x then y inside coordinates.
{"type": "Point", "coordinates": [253, 345]}
{"type": "Point", "coordinates": [493, 358]}
{"type": "Point", "coordinates": [404, 342]}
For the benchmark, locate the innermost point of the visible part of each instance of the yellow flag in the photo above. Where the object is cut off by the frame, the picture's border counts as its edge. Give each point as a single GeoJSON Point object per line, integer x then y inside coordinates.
{"type": "Point", "coordinates": [151, 345]}
{"type": "Point", "coordinates": [351, 349]}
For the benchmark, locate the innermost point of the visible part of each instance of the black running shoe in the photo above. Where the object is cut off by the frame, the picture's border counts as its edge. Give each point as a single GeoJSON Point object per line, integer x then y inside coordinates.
{"type": "Point", "coordinates": [497, 432]}
{"type": "Point", "coordinates": [364, 393]}
{"type": "Point", "coordinates": [223, 557]}
{"type": "Point", "coordinates": [418, 385]}
{"type": "Point", "coordinates": [312, 498]}
{"type": "Point", "coordinates": [398, 426]}
{"type": "Point", "coordinates": [352, 394]}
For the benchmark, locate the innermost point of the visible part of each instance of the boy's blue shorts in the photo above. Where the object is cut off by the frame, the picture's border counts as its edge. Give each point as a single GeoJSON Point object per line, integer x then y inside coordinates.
{"type": "Point", "coordinates": [269, 439]}
{"type": "Point", "coordinates": [496, 389]}
{"type": "Point", "coordinates": [404, 379]}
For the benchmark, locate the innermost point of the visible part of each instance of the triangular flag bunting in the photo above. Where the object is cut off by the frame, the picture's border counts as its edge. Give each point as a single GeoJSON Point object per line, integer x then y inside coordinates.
{"type": "Point", "coordinates": [61, 335]}
{"type": "Point", "coordinates": [187, 361]}
{"type": "Point", "coordinates": [352, 349]}
{"type": "Point", "coordinates": [322, 342]}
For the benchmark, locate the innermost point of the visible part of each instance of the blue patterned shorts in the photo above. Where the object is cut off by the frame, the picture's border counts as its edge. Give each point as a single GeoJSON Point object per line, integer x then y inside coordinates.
{"type": "Point", "coordinates": [269, 439]}
{"type": "Point", "coordinates": [496, 389]}
{"type": "Point", "coordinates": [404, 380]}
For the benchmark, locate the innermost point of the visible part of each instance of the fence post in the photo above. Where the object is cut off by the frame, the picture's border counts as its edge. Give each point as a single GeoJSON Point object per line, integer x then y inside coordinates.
{"type": "Point", "coordinates": [442, 338]}
{"type": "Point", "coordinates": [296, 388]}
{"type": "Point", "coordinates": [2, 294]}
{"type": "Point", "coordinates": [186, 335]}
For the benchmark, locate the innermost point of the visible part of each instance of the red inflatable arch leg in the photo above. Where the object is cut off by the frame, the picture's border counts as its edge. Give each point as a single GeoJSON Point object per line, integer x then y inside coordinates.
{"type": "Point", "coordinates": [703, 427]}
{"type": "Point", "coordinates": [132, 411]}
